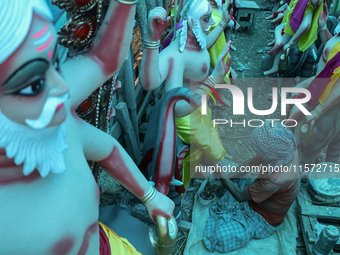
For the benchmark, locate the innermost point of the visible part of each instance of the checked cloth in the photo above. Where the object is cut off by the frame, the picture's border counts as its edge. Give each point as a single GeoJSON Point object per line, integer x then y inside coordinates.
{"type": "Point", "coordinates": [232, 224]}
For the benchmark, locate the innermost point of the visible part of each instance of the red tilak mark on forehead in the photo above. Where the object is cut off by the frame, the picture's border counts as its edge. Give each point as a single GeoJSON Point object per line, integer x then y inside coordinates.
{"type": "Point", "coordinates": [37, 35]}
{"type": "Point", "coordinates": [41, 48]}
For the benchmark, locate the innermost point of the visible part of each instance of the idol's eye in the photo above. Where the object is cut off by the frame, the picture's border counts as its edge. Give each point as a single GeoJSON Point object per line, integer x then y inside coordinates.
{"type": "Point", "coordinates": [206, 19]}
{"type": "Point", "coordinates": [34, 87]}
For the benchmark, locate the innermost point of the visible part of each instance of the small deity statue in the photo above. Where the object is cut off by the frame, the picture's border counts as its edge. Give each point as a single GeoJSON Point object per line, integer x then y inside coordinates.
{"type": "Point", "coordinates": [47, 189]}
{"type": "Point", "coordinates": [300, 26]}
{"type": "Point", "coordinates": [185, 63]}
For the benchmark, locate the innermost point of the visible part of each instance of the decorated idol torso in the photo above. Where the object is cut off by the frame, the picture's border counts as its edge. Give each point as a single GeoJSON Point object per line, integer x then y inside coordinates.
{"type": "Point", "coordinates": [49, 196]}
{"type": "Point", "coordinates": [186, 59]}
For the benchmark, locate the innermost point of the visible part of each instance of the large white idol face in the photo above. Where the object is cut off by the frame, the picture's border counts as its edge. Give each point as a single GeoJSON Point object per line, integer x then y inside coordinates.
{"type": "Point", "coordinates": [206, 21]}
{"type": "Point", "coordinates": [32, 90]}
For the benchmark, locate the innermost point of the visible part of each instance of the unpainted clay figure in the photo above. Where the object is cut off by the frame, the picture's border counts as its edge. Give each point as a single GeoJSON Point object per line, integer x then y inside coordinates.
{"type": "Point", "coordinates": [48, 194]}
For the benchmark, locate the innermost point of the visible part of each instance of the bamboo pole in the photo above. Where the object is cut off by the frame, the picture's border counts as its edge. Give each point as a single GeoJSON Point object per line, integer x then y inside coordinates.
{"type": "Point", "coordinates": [129, 94]}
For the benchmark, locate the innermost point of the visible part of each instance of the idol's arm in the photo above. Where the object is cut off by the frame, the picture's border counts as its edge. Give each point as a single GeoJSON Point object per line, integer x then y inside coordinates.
{"type": "Point", "coordinates": [323, 31]}
{"type": "Point", "coordinates": [303, 28]}
{"type": "Point", "coordinates": [110, 155]}
{"type": "Point", "coordinates": [155, 67]}
{"type": "Point", "coordinates": [85, 73]}
{"type": "Point", "coordinates": [213, 35]}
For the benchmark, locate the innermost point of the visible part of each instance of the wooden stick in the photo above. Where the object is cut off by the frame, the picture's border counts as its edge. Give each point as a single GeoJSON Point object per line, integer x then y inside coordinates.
{"type": "Point", "coordinates": [129, 135]}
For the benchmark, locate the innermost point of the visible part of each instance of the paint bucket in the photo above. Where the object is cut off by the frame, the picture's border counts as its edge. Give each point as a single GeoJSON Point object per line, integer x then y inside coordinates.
{"type": "Point", "coordinates": [324, 182]}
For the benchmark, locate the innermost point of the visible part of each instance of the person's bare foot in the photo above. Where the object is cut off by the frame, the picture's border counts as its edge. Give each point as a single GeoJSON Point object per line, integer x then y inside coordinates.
{"type": "Point", "coordinates": [271, 72]}
{"type": "Point", "coordinates": [275, 49]}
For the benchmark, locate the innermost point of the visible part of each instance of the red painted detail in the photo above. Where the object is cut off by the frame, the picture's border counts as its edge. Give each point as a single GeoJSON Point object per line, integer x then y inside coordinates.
{"type": "Point", "coordinates": [37, 35]}
{"type": "Point", "coordinates": [60, 106]}
{"type": "Point", "coordinates": [145, 161]}
{"type": "Point", "coordinates": [158, 30]}
{"type": "Point", "coordinates": [13, 174]}
{"type": "Point", "coordinates": [112, 113]}
{"type": "Point", "coordinates": [74, 114]}
{"type": "Point", "coordinates": [115, 165]}
{"type": "Point", "coordinates": [170, 68]}
{"type": "Point", "coordinates": [166, 154]}
{"type": "Point", "coordinates": [104, 243]}
{"type": "Point", "coordinates": [181, 157]}
{"type": "Point", "coordinates": [179, 160]}
{"type": "Point", "coordinates": [157, 212]}
{"type": "Point", "coordinates": [147, 69]}
{"type": "Point", "coordinates": [192, 44]}
{"type": "Point", "coordinates": [82, 31]}
{"type": "Point", "coordinates": [204, 68]}
{"type": "Point", "coordinates": [111, 43]}
{"type": "Point", "coordinates": [323, 58]}
{"type": "Point", "coordinates": [85, 105]}
{"type": "Point", "coordinates": [275, 49]}
{"type": "Point", "coordinates": [2, 152]}
{"type": "Point", "coordinates": [214, 91]}
{"type": "Point", "coordinates": [325, 53]}
{"type": "Point", "coordinates": [63, 246]}
{"type": "Point", "coordinates": [81, 2]}
{"type": "Point", "coordinates": [89, 232]}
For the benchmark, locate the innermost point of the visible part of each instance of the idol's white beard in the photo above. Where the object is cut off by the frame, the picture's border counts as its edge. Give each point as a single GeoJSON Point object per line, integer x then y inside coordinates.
{"type": "Point", "coordinates": [200, 35]}
{"type": "Point", "coordinates": [40, 149]}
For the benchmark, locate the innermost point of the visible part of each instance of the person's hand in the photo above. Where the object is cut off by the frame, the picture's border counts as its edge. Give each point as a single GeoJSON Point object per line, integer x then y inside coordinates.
{"type": "Point", "coordinates": [226, 16]}
{"type": "Point", "coordinates": [213, 185]}
{"type": "Point", "coordinates": [323, 16]}
{"type": "Point", "coordinates": [157, 22]}
{"type": "Point", "coordinates": [221, 68]}
{"type": "Point", "coordinates": [160, 205]}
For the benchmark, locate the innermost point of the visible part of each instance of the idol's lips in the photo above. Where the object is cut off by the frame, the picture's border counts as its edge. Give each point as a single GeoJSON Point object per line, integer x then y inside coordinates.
{"type": "Point", "coordinates": [60, 106]}
{"type": "Point", "coordinates": [48, 112]}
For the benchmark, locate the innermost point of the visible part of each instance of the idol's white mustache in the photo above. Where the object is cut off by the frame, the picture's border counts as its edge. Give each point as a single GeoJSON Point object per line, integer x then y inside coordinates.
{"type": "Point", "coordinates": [208, 29]}
{"type": "Point", "coordinates": [47, 112]}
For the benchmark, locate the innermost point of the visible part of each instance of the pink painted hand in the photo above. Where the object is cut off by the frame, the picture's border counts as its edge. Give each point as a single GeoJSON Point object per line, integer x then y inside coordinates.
{"type": "Point", "coordinates": [157, 22]}
{"type": "Point", "coordinates": [323, 17]}
{"type": "Point", "coordinates": [160, 205]}
{"type": "Point", "coordinates": [226, 17]}
{"type": "Point", "coordinates": [222, 68]}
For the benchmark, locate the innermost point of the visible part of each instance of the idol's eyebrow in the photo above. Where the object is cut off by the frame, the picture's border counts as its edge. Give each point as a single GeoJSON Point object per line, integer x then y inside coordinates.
{"type": "Point", "coordinates": [28, 70]}
{"type": "Point", "coordinates": [208, 15]}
